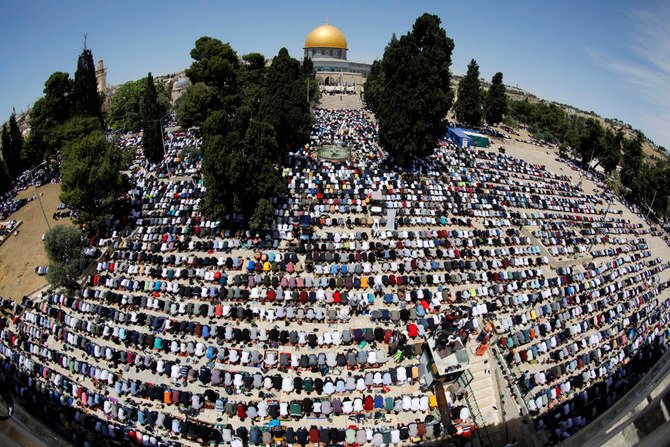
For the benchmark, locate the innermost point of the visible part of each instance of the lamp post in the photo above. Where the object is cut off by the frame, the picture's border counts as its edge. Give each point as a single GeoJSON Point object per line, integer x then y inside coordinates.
{"type": "Point", "coordinates": [650, 206]}
{"type": "Point", "coordinates": [163, 141]}
{"type": "Point", "coordinates": [588, 167]}
{"type": "Point", "coordinates": [39, 200]}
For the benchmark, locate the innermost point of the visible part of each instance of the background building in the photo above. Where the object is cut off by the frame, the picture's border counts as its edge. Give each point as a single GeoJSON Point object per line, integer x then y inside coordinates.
{"type": "Point", "coordinates": [327, 47]}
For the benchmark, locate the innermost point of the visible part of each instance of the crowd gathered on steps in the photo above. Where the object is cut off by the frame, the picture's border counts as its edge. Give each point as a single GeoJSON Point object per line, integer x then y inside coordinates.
{"type": "Point", "coordinates": [338, 89]}
{"type": "Point", "coordinates": [194, 330]}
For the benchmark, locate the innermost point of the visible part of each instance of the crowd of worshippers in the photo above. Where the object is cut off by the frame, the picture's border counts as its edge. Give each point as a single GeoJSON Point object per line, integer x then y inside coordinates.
{"type": "Point", "coordinates": [41, 176]}
{"type": "Point", "coordinates": [338, 89]}
{"type": "Point", "coordinates": [185, 321]}
{"type": "Point", "coordinates": [593, 334]}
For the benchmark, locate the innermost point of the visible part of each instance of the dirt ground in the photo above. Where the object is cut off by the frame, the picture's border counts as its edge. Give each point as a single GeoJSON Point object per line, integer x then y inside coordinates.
{"type": "Point", "coordinates": [19, 255]}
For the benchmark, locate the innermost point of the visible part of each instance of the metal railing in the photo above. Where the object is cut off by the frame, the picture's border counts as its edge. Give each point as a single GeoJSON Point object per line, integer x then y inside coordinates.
{"type": "Point", "coordinates": [465, 380]}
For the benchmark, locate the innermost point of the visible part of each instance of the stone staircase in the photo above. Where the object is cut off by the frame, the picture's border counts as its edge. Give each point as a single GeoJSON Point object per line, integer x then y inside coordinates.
{"type": "Point", "coordinates": [484, 396]}
{"type": "Point", "coordinates": [334, 102]}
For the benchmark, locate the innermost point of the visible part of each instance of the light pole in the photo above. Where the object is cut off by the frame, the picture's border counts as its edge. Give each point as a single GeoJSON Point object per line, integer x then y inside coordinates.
{"type": "Point", "coordinates": [581, 175]}
{"type": "Point", "coordinates": [650, 206]}
{"type": "Point", "coordinates": [163, 141]}
{"type": "Point", "coordinates": [39, 200]}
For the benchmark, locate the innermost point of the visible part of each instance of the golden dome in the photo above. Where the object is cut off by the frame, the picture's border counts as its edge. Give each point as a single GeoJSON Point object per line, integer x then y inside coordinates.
{"type": "Point", "coordinates": [326, 36]}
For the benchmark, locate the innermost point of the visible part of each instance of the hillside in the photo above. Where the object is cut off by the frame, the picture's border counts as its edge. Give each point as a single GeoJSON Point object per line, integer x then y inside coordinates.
{"type": "Point", "coordinates": [518, 94]}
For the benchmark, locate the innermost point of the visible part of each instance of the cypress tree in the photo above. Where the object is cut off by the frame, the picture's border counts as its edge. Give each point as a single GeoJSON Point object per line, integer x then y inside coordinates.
{"type": "Point", "coordinates": [152, 141]}
{"type": "Point", "coordinates": [409, 90]}
{"type": "Point", "coordinates": [284, 103]}
{"type": "Point", "coordinates": [6, 147]}
{"type": "Point", "coordinates": [468, 107]}
{"type": "Point", "coordinates": [5, 181]}
{"type": "Point", "coordinates": [631, 161]}
{"type": "Point", "coordinates": [17, 144]}
{"type": "Point", "coordinates": [495, 105]}
{"type": "Point", "coordinates": [374, 87]}
{"type": "Point", "coordinates": [12, 147]}
{"type": "Point", "coordinates": [87, 100]}
{"type": "Point", "coordinates": [309, 72]}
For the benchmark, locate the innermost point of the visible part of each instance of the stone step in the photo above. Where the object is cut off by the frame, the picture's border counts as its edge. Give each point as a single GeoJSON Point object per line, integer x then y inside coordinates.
{"type": "Point", "coordinates": [478, 381]}
{"type": "Point", "coordinates": [340, 102]}
{"type": "Point", "coordinates": [481, 387]}
{"type": "Point", "coordinates": [478, 366]}
{"type": "Point", "coordinates": [487, 403]}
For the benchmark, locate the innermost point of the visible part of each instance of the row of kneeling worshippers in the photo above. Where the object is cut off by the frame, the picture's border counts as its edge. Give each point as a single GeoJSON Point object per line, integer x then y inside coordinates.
{"type": "Point", "coordinates": [56, 397]}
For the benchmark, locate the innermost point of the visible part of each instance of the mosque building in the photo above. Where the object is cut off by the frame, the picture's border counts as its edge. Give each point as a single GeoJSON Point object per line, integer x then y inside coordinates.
{"type": "Point", "coordinates": [327, 47]}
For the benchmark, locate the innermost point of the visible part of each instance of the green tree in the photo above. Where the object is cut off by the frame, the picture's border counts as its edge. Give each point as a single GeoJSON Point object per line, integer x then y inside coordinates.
{"type": "Point", "coordinates": [58, 97]}
{"type": "Point", "coordinates": [374, 86]}
{"type": "Point", "coordinates": [547, 120]}
{"type": "Point", "coordinates": [12, 147]}
{"type": "Point", "coordinates": [229, 100]}
{"type": "Point", "coordinates": [309, 72]}
{"type": "Point", "coordinates": [195, 105]}
{"type": "Point", "coordinates": [468, 107]}
{"type": "Point", "coordinates": [263, 215]}
{"type": "Point", "coordinates": [631, 161]}
{"type": "Point", "coordinates": [124, 105]}
{"type": "Point", "coordinates": [86, 98]}
{"type": "Point", "coordinates": [227, 163]}
{"type": "Point", "coordinates": [495, 105]}
{"type": "Point", "coordinates": [216, 65]}
{"type": "Point", "coordinates": [591, 141]}
{"type": "Point", "coordinates": [48, 112]}
{"type": "Point", "coordinates": [76, 128]}
{"type": "Point", "coordinates": [224, 169]}
{"type": "Point", "coordinates": [261, 149]}
{"type": "Point", "coordinates": [284, 103]}
{"type": "Point", "coordinates": [6, 141]}
{"type": "Point", "coordinates": [64, 248]}
{"type": "Point", "coordinates": [252, 76]}
{"type": "Point", "coordinates": [5, 180]}
{"type": "Point", "coordinates": [152, 140]}
{"type": "Point", "coordinates": [410, 90]}
{"type": "Point", "coordinates": [91, 176]}
{"type": "Point", "coordinates": [611, 155]}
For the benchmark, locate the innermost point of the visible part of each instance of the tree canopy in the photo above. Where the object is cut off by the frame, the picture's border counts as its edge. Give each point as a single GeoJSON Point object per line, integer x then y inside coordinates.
{"type": "Point", "coordinates": [63, 99]}
{"type": "Point", "coordinates": [252, 75]}
{"type": "Point", "coordinates": [309, 72]}
{"type": "Point", "coordinates": [64, 248]}
{"type": "Point", "coordinates": [46, 115]}
{"type": "Point", "coordinates": [125, 103]}
{"type": "Point", "coordinates": [631, 161]}
{"type": "Point", "coordinates": [284, 103]}
{"type": "Point", "coordinates": [194, 106]}
{"type": "Point", "coordinates": [91, 176]}
{"type": "Point", "coordinates": [12, 147]}
{"type": "Point", "coordinates": [250, 116]}
{"type": "Point", "coordinates": [409, 90]}
{"type": "Point", "coordinates": [216, 65]}
{"type": "Point", "coordinates": [468, 107]}
{"type": "Point", "coordinates": [495, 105]}
{"type": "Point", "coordinates": [151, 113]}
{"type": "Point", "coordinates": [87, 101]}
